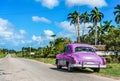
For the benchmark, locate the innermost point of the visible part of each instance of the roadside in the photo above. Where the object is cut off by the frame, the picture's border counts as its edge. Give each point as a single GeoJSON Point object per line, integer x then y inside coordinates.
{"type": "Point", "coordinates": [2, 55]}
{"type": "Point", "coordinates": [112, 70]}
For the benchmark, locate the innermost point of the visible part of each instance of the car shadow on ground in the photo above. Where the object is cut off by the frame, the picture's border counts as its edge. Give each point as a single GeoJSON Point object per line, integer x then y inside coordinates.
{"type": "Point", "coordinates": [76, 70]}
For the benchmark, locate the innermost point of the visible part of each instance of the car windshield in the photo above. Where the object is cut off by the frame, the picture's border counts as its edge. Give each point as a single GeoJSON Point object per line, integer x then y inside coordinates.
{"type": "Point", "coordinates": [88, 49]}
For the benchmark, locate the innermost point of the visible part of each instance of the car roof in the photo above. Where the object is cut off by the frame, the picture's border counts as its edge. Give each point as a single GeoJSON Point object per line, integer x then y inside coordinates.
{"type": "Point", "coordinates": [83, 45]}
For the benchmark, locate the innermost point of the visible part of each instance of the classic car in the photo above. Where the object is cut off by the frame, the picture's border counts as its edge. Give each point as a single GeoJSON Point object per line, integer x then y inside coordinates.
{"type": "Point", "coordinates": [80, 56]}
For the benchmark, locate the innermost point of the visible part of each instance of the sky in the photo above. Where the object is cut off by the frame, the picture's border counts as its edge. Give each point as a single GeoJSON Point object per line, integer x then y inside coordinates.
{"type": "Point", "coordinates": [30, 23]}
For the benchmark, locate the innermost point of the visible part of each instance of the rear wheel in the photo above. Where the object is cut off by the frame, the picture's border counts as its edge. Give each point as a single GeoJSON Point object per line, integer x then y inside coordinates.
{"type": "Point", "coordinates": [96, 69]}
{"type": "Point", "coordinates": [58, 66]}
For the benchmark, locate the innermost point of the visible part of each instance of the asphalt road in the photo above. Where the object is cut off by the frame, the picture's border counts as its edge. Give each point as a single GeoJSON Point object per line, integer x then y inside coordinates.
{"type": "Point", "coordinates": [18, 69]}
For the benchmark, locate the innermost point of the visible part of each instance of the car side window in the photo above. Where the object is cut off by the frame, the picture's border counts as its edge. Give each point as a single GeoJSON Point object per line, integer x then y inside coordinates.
{"type": "Point", "coordinates": [67, 49]}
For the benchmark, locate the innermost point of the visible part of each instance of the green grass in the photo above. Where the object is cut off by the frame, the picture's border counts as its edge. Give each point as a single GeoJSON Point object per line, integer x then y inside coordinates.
{"type": "Point", "coordinates": [45, 60]}
{"type": "Point", "coordinates": [113, 69]}
{"type": "Point", "coordinates": [2, 55]}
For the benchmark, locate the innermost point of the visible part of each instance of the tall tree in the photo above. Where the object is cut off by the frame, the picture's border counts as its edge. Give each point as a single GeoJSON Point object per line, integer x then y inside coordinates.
{"type": "Point", "coordinates": [101, 32]}
{"type": "Point", "coordinates": [60, 43]}
{"type": "Point", "coordinates": [112, 41]}
{"type": "Point", "coordinates": [96, 17]}
{"type": "Point", "coordinates": [84, 18]}
{"type": "Point", "coordinates": [53, 36]}
{"type": "Point", "coordinates": [117, 13]}
{"type": "Point", "coordinates": [91, 33]}
{"type": "Point", "coordinates": [75, 20]}
{"type": "Point", "coordinates": [53, 42]}
{"type": "Point", "coordinates": [108, 26]}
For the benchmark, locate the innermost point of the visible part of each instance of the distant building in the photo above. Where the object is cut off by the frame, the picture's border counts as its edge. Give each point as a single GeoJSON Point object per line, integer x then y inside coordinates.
{"type": "Point", "coordinates": [101, 50]}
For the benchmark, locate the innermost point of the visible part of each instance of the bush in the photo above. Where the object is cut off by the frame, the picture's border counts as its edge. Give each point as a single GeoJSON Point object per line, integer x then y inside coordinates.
{"type": "Point", "coordinates": [109, 66]}
{"type": "Point", "coordinates": [108, 59]}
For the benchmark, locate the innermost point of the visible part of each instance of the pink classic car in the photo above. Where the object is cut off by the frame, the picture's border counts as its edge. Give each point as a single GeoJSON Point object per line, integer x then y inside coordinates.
{"type": "Point", "coordinates": [80, 56]}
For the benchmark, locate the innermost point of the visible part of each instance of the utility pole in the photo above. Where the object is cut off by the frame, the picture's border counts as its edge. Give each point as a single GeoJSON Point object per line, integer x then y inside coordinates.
{"type": "Point", "coordinates": [30, 51]}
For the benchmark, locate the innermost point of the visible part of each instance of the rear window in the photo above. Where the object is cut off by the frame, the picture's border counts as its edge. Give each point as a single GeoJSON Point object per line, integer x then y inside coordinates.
{"type": "Point", "coordinates": [87, 49]}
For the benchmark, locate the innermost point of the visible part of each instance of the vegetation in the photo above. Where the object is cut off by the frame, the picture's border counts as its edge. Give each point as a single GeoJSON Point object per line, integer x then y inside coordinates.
{"type": "Point", "coordinates": [2, 55]}
{"type": "Point", "coordinates": [96, 17]}
{"type": "Point", "coordinates": [117, 13]}
{"type": "Point", "coordinates": [75, 20]}
{"type": "Point", "coordinates": [55, 47]}
{"type": "Point", "coordinates": [84, 18]}
{"type": "Point", "coordinates": [4, 52]}
{"type": "Point", "coordinates": [111, 70]}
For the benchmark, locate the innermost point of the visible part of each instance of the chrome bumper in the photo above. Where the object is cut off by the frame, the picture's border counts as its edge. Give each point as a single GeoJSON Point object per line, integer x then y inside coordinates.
{"type": "Point", "coordinates": [87, 66]}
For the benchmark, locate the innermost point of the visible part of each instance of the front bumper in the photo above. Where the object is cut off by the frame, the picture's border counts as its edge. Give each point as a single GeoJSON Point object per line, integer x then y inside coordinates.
{"type": "Point", "coordinates": [87, 66]}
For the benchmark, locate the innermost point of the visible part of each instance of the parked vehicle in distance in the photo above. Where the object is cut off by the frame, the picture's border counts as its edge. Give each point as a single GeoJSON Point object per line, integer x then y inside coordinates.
{"type": "Point", "coordinates": [80, 56]}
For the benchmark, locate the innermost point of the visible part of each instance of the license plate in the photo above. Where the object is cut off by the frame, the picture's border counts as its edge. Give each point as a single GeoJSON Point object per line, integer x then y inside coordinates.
{"type": "Point", "coordinates": [89, 62]}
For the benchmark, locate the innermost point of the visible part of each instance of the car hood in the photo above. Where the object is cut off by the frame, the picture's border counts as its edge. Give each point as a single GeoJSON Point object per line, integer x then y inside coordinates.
{"type": "Point", "coordinates": [86, 56]}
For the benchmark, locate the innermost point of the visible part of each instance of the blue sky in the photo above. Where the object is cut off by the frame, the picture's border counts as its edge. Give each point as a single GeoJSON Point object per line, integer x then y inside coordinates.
{"type": "Point", "coordinates": [26, 23]}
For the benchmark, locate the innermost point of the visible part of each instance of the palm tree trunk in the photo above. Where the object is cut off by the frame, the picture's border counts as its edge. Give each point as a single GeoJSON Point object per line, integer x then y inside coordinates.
{"type": "Point", "coordinates": [83, 32]}
{"type": "Point", "coordinates": [96, 34]}
{"type": "Point", "coordinates": [78, 38]}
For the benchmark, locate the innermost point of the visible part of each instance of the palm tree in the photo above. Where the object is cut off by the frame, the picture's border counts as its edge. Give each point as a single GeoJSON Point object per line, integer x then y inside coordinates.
{"type": "Point", "coordinates": [91, 34]}
{"type": "Point", "coordinates": [54, 35]}
{"type": "Point", "coordinates": [96, 17]}
{"type": "Point", "coordinates": [84, 18]}
{"type": "Point", "coordinates": [51, 43]}
{"type": "Point", "coordinates": [101, 32]}
{"type": "Point", "coordinates": [75, 20]}
{"type": "Point", "coordinates": [108, 26]}
{"type": "Point", "coordinates": [117, 13]}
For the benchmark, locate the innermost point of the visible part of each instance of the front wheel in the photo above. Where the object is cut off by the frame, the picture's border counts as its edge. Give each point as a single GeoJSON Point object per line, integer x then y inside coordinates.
{"type": "Point", "coordinates": [96, 69]}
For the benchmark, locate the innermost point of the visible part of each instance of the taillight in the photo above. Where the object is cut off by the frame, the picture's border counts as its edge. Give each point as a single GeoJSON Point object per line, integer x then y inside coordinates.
{"type": "Point", "coordinates": [104, 61]}
{"type": "Point", "coordinates": [74, 60]}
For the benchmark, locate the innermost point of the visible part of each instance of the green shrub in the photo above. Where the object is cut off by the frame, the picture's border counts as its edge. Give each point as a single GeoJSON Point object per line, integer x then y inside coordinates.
{"type": "Point", "coordinates": [108, 59]}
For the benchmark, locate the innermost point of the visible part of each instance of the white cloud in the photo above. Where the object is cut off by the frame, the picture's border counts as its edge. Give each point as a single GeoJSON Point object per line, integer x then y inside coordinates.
{"type": "Point", "coordinates": [37, 38]}
{"type": "Point", "coordinates": [22, 31]}
{"type": "Point", "coordinates": [41, 19]}
{"type": "Point", "coordinates": [70, 31]}
{"type": "Point", "coordinates": [5, 30]}
{"type": "Point", "coordinates": [66, 26]}
{"type": "Point", "coordinates": [7, 33]}
{"type": "Point", "coordinates": [49, 3]}
{"type": "Point", "coordinates": [48, 32]}
{"type": "Point", "coordinates": [22, 41]}
{"type": "Point", "coordinates": [71, 28]}
{"type": "Point", "coordinates": [91, 3]}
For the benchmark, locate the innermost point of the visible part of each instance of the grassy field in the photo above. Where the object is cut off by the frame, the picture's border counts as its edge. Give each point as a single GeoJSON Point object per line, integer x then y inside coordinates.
{"type": "Point", "coordinates": [113, 69]}
{"type": "Point", "coordinates": [2, 55]}
{"type": "Point", "coordinates": [45, 60]}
